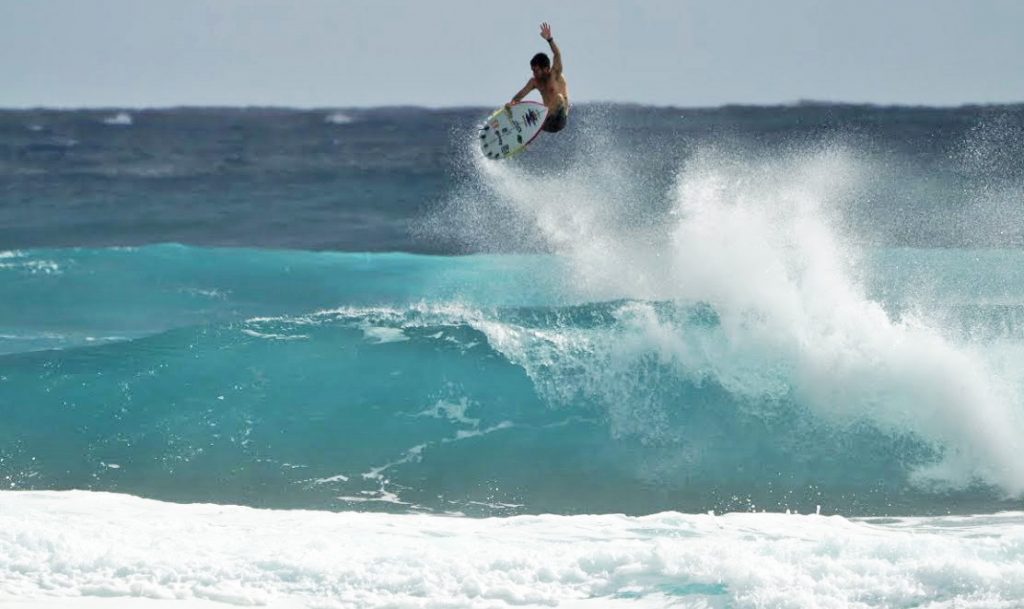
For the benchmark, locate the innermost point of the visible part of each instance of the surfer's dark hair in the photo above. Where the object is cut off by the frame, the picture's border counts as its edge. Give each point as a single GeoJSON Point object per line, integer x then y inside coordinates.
{"type": "Point", "coordinates": [540, 60]}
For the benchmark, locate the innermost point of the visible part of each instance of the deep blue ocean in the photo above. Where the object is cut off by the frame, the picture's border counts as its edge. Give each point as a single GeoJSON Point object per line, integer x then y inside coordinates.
{"type": "Point", "coordinates": [813, 308]}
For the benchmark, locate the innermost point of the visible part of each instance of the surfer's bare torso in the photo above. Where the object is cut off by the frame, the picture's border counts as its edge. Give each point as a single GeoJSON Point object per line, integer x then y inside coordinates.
{"type": "Point", "coordinates": [554, 91]}
{"type": "Point", "coordinates": [549, 80]}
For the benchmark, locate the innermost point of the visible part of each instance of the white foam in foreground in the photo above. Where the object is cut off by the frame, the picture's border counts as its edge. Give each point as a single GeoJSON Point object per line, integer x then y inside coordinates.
{"type": "Point", "coordinates": [97, 550]}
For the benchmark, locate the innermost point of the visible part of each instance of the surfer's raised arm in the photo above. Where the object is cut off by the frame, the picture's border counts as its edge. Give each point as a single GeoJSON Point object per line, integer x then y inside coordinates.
{"type": "Point", "coordinates": [550, 82]}
{"type": "Point", "coordinates": [556, 55]}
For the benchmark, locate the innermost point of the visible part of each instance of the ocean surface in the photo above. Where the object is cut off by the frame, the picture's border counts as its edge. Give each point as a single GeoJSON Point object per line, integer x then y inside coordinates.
{"type": "Point", "coordinates": [669, 357]}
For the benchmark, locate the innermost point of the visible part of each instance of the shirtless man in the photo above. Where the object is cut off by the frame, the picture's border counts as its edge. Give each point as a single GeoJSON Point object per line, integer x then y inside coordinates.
{"type": "Point", "coordinates": [548, 79]}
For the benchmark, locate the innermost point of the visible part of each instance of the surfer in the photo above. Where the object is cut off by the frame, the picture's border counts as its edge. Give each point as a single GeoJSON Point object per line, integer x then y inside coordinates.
{"type": "Point", "coordinates": [548, 79]}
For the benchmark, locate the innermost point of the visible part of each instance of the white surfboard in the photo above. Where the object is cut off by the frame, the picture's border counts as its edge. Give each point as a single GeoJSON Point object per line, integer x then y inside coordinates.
{"type": "Point", "coordinates": [506, 134]}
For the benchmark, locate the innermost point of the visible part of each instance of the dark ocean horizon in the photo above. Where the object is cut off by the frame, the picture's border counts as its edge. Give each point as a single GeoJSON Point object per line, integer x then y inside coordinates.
{"type": "Point", "coordinates": [364, 179]}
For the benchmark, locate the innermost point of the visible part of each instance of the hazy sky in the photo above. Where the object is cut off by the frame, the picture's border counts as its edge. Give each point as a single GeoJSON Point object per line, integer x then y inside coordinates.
{"type": "Point", "coordinates": [338, 53]}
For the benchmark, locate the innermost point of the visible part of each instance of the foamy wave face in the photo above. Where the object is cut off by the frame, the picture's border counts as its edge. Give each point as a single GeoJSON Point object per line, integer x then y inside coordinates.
{"type": "Point", "coordinates": [758, 245]}
{"type": "Point", "coordinates": [760, 241]}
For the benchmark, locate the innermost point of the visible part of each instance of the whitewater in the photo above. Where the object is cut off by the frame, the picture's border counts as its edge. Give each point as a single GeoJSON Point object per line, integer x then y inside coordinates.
{"type": "Point", "coordinates": [685, 374]}
{"type": "Point", "coordinates": [114, 547]}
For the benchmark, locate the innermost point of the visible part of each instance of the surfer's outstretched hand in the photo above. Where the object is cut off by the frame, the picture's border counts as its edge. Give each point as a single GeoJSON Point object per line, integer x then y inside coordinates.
{"type": "Point", "coordinates": [545, 31]}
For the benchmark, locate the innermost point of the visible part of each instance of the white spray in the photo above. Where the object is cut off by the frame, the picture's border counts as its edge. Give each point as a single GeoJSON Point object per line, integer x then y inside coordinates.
{"type": "Point", "coordinates": [757, 240]}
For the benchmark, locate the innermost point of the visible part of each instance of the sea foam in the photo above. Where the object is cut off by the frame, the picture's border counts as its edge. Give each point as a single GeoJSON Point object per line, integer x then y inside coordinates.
{"type": "Point", "coordinates": [69, 547]}
{"type": "Point", "coordinates": [762, 242]}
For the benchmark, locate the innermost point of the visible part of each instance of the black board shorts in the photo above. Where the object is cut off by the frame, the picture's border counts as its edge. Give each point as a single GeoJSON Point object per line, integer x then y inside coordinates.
{"type": "Point", "coordinates": [556, 122]}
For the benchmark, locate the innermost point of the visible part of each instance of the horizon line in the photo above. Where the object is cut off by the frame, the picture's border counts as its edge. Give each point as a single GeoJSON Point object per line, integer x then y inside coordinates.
{"type": "Point", "coordinates": [297, 108]}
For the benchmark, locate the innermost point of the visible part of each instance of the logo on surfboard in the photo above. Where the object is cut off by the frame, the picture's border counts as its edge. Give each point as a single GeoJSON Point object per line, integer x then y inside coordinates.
{"type": "Point", "coordinates": [507, 132]}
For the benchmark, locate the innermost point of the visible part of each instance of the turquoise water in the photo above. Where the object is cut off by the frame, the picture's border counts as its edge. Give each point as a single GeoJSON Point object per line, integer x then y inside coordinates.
{"type": "Point", "coordinates": [476, 384]}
